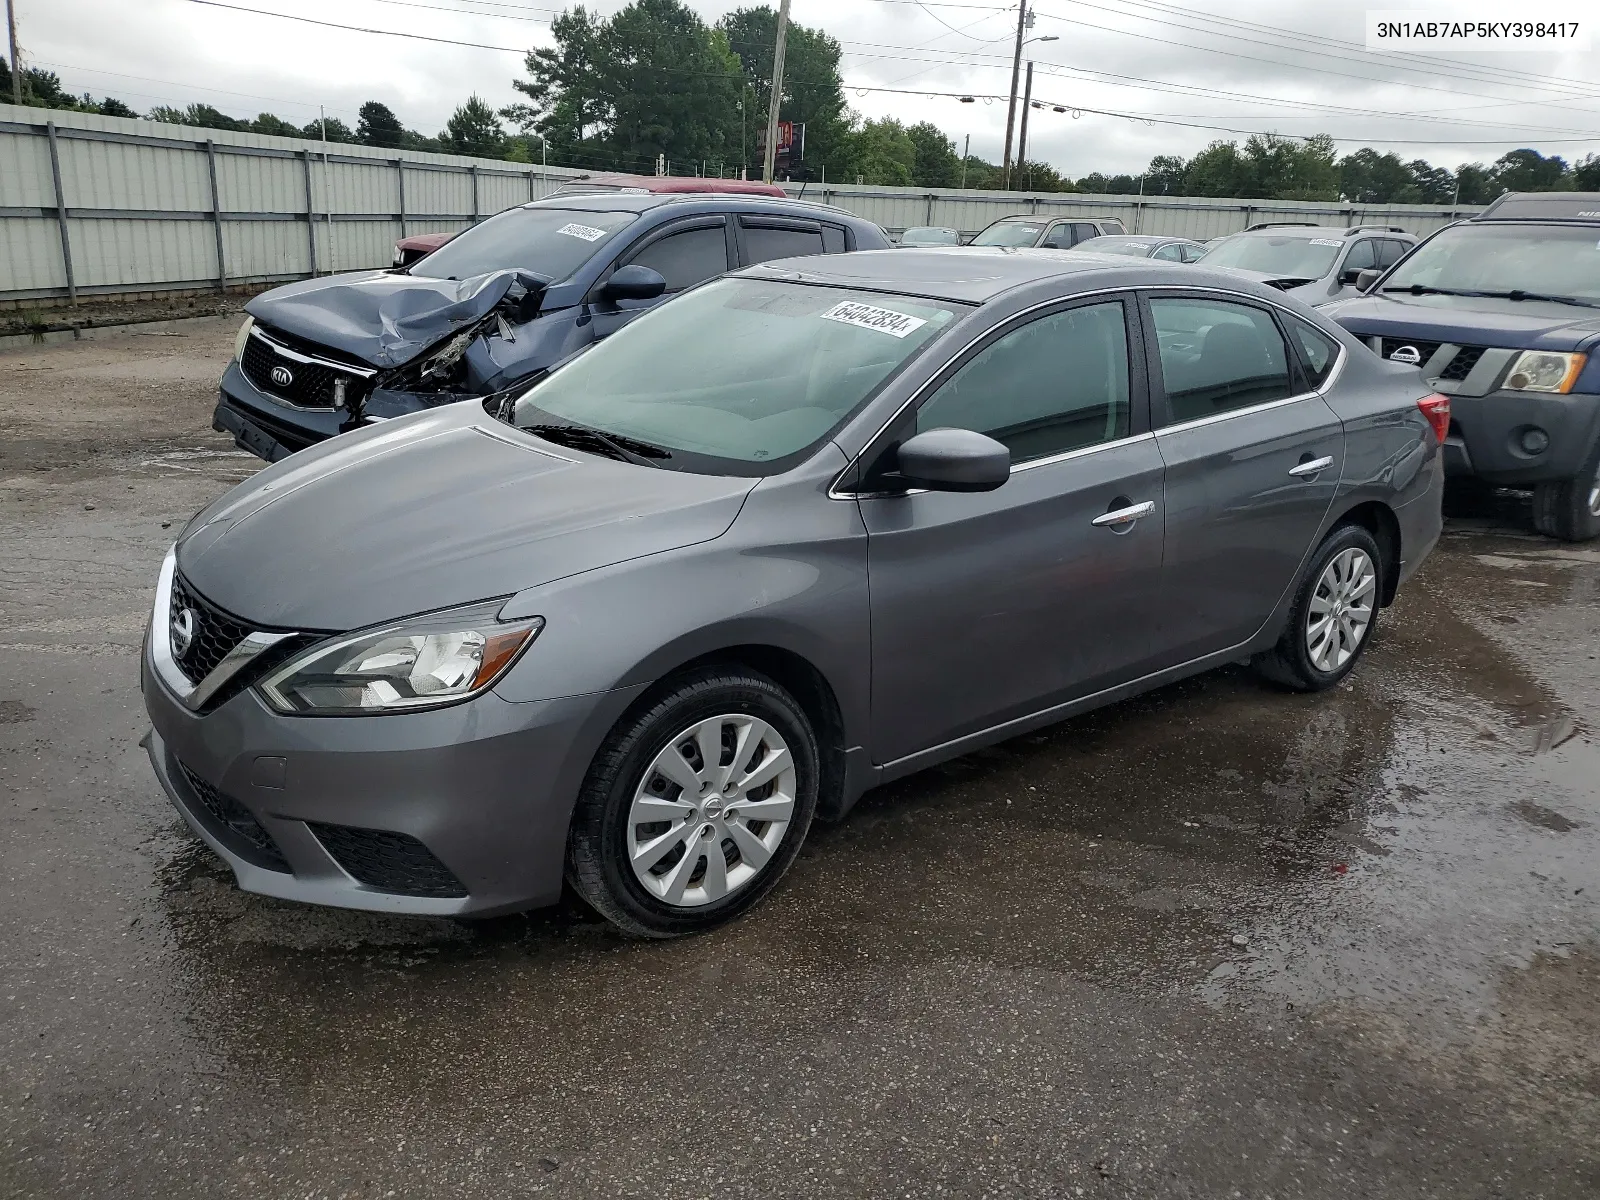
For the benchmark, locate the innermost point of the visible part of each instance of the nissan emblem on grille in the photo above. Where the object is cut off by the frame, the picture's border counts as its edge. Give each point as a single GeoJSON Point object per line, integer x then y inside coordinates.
{"type": "Point", "coordinates": [1409, 355]}
{"type": "Point", "coordinates": [182, 632]}
{"type": "Point", "coordinates": [282, 376]}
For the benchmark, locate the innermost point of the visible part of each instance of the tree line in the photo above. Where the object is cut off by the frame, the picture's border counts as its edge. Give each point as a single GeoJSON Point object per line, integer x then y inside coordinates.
{"type": "Point", "coordinates": [655, 83]}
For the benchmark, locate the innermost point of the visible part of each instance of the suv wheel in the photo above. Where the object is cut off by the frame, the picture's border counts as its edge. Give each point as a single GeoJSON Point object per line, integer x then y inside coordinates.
{"type": "Point", "coordinates": [1334, 614]}
{"type": "Point", "coordinates": [1570, 509]}
{"type": "Point", "coordinates": [695, 807]}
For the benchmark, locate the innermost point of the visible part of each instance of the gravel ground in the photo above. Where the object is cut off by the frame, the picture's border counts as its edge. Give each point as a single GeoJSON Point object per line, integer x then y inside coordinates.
{"type": "Point", "coordinates": [1213, 942]}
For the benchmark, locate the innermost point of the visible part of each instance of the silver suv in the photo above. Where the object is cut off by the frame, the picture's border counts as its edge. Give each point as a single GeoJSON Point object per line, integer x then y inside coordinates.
{"type": "Point", "coordinates": [1058, 233]}
{"type": "Point", "coordinates": [1315, 264]}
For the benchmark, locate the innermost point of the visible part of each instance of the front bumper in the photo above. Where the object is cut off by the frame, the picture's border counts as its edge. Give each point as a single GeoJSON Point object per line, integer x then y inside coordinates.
{"type": "Point", "coordinates": [1486, 435]}
{"type": "Point", "coordinates": [265, 425]}
{"type": "Point", "coordinates": [461, 810]}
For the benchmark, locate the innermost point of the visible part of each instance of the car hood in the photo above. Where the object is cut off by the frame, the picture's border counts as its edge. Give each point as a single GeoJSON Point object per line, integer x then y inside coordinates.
{"type": "Point", "coordinates": [1469, 321]}
{"type": "Point", "coordinates": [425, 512]}
{"type": "Point", "coordinates": [382, 317]}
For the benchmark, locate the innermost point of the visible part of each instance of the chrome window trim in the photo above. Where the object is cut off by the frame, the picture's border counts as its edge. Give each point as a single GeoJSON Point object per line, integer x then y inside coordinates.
{"type": "Point", "coordinates": [296, 356]}
{"type": "Point", "coordinates": [190, 694]}
{"type": "Point", "coordinates": [1083, 451]}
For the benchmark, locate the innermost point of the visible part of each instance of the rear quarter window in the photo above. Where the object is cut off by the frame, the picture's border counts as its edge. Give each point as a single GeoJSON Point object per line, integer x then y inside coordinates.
{"type": "Point", "coordinates": [833, 240]}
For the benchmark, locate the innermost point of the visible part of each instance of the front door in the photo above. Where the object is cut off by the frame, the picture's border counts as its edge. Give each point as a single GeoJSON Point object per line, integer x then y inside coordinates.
{"type": "Point", "coordinates": [991, 606]}
{"type": "Point", "coordinates": [1253, 458]}
{"type": "Point", "coordinates": [686, 253]}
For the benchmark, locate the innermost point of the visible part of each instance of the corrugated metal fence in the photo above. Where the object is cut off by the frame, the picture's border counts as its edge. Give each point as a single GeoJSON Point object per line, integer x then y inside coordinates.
{"type": "Point", "coordinates": [93, 205]}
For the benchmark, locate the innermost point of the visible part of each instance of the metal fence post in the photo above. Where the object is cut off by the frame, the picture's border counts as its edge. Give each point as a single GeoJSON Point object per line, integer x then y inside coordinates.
{"type": "Point", "coordinates": [474, 170]}
{"type": "Point", "coordinates": [400, 174]}
{"type": "Point", "coordinates": [311, 212]}
{"type": "Point", "coordinates": [61, 212]}
{"type": "Point", "coordinates": [216, 214]}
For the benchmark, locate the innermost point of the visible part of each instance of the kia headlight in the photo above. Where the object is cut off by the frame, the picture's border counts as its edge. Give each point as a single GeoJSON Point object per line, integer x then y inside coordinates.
{"type": "Point", "coordinates": [423, 662]}
{"type": "Point", "coordinates": [240, 338]}
{"type": "Point", "coordinates": [1544, 371]}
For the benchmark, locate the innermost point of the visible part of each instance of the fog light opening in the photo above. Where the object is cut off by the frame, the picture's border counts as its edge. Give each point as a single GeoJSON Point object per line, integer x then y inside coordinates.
{"type": "Point", "coordinates": [1534, 441]}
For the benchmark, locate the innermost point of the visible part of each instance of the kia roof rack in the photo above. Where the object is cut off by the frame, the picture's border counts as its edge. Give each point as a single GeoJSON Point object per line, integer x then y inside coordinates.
{"type": "Point", "coordinates": [1355, 229]}
{"type": "Point", "coordinates": [1276, 224]}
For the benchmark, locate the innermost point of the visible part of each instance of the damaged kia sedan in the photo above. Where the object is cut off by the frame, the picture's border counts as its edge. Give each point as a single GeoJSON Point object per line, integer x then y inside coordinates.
{"type": "Point", "coordinates": [808, 529]}
{"type": "Point", "coordinates": [495, 306]}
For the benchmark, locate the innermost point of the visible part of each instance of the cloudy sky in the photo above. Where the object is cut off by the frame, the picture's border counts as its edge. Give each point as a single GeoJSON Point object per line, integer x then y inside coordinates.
{"type": "Point", "coordinates": [1192, 73]}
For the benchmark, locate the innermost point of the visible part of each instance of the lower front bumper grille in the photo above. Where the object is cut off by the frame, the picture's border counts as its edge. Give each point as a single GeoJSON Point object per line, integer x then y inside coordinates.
{"type": "Point", "coordinates": [231, 823]}
{"type": "Point", "coordinates": [387, 861]}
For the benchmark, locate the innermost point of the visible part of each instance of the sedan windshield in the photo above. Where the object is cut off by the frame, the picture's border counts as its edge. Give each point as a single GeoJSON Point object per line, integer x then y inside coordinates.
{"type": "Point", "coordinates": [553, 242]}
{"type": "Point", "coordinates": [1010, 233]}
{"type": "Point", "coordinates": [1555, 260]}
{"type": "Point", "coordinates": [737, 376]}
{"type": "Point", "coordinates": [1291, 256]}
{"type": "Point", "coordinates": [1116, 245]}
{"type": "Point", "coordinates": [930, 236]}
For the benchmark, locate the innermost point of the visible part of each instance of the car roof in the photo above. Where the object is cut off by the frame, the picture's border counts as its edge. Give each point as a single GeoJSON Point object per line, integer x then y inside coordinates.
{"type": "Point", "coordinates": [1296, 229]}
{"type": "Point", "coordinates": [693, 202]}
{"type": "Point", "coordinates": [976, 274]}
{"type": "Point", "coordinates": [1544, 206]}
{"type": "Point", "coordinates": [1148, 239]}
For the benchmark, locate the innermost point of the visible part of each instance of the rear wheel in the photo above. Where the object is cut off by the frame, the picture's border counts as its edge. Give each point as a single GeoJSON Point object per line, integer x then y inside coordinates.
{"type": "Point", "coordinates": [1570, 508]}
{"type": "Point", "coordinates": [695, 807]}
{"type": "Point", "coordinates": [1335, 612]}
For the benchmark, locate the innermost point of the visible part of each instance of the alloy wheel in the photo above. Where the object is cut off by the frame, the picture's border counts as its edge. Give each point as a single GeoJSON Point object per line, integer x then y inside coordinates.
{"type": "Point", "coordinates": [1340, 612]}
{"type": "Point", "coordinates": [710, 810]}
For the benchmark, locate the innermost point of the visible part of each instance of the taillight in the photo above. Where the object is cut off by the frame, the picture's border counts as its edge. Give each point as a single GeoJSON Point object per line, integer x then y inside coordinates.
{"type": "Point", "coordinates": [1437, 409]}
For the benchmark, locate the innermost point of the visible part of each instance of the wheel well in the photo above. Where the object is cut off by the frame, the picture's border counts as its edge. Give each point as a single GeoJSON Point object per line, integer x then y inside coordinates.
{"type": "Point", "coordinates": [811, 690]}
{"type": "Point", "coordinates": [1379, 520]}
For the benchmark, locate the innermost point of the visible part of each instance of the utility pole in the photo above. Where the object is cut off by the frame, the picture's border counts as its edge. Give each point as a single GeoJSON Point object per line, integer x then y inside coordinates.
{"type": "Point", "coordinates": [16, 67]}
{"type": "Point", "coordinates": [1022, 137]}
{"type": "Point", "coordinates": [1023, 16]}
{"type": "Point", "coordinates": [777, 89]}
{"type": "Point", "coordinates": [966, 153]}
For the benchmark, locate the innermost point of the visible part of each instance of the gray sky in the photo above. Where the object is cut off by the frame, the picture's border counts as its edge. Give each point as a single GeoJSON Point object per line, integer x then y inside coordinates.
{"type": "Point", "coordinates": [1291, 66]}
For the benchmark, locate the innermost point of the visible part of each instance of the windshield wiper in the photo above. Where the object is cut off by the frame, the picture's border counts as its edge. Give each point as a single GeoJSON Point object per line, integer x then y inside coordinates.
{"type": "Point", "coordinates": [614, 445]}
{"type": "Point", "coordinates": [1422, 289]}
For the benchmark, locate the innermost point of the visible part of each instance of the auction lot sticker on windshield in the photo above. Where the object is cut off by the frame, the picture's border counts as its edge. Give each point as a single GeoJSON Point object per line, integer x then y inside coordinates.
{"type": "Point", "coordinates": [884, 320]}
{"type": "Point", "coordinates": [1326, 242]}
{"type": "Point", "coordinates": [587, 232]}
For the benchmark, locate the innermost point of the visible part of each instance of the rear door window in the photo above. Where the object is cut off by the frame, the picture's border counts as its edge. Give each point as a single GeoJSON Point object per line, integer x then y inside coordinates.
{"type": "Point", "coordinates": [1217, 356]}
{"type": "Point", "coordinates": [687, 257]}
{"type": "Point", "coordinates": [1172, 253]}
{"type": "Point", "coordinates": [764, 242]}
{"type": "Point", "coordinates": [833, 239]}
{"type": "Point", "coordinates": [1082, 231]}
{"type": "Point", "coordinates": [1391, 251]}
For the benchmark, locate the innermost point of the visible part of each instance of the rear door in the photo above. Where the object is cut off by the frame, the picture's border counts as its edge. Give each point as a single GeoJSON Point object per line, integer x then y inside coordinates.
{"type": "Point", "coordinates": [990, 606]}
{"type": "Point", "coordinates": [686, 253]}
{"type": "Point", "coordinates": [1253, 457]}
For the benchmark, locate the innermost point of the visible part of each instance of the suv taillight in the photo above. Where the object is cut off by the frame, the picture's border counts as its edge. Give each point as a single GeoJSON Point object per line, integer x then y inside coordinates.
{"type": "Point", "coordinates": [1437, 409]}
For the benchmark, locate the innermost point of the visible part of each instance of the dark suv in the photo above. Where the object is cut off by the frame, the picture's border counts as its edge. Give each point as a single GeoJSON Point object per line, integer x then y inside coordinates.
{"type": "Point", "coordinates": [1060, 233]}
{"type": "Point", "coordinates": [495, 307]}
{"type": "Point", "coordinates": [1502, 314]}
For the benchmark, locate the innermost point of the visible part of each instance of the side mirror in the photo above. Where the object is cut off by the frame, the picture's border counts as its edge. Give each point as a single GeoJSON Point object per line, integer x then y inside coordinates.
{"type": "Point", "coordinates": [1365, 279]}
{"type": "Point", "coordinates": [1349, 275]}
{"type": "Point", "coordinates": [634, 282]}
{"type": "Point", "coordinates": [953, 460]}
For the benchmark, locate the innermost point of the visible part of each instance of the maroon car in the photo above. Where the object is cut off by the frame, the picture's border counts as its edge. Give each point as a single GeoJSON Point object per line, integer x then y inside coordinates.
{"type": "Point", "coordinates": [408, 249]}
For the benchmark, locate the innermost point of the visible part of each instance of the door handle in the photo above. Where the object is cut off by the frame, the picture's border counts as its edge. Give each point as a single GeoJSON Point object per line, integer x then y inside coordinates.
{"type": "Point", "coordinates": [1124, 516]}
{"type": "Point", "coordinates": [1315, 467]}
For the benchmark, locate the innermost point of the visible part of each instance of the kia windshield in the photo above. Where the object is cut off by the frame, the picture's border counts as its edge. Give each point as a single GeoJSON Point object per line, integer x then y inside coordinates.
{"type": "Point", "coordinates": [737, 377]}
{"type": "Point", "coordinates": [1010, 233]}
{"type": "Point", "coordinates": [553, 242]}
{"type": "Point", "coordinates": [1553, 260]}
{"type": "Point", "coordinates": [1290, 256]}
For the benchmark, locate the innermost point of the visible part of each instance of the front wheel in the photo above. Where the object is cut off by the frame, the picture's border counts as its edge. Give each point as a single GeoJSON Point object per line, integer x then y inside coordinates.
{"type": "Point", "coordinates": [1335, 612]}
{"type": "Point", "coordinates": [696, 806]}
{"type": "Point", "coordinates": [1569, 509]}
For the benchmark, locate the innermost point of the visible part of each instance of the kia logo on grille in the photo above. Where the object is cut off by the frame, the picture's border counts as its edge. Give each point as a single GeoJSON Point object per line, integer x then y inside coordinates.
{"type": "Point", "coordinates": [283, 377]}
{"type": "Point", "coordinates": [183, 632]}
{"type": "Point", "coordinates": [1409, 355]}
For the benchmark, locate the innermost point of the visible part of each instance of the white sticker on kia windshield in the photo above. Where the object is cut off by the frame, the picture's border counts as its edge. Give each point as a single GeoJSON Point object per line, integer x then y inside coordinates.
{"type": "Point", "coordinates": [587, 232]}
{"type": "Point", "coordinates": [1325, 242]}
{"type": "Point", "coordinates": [867, 317]}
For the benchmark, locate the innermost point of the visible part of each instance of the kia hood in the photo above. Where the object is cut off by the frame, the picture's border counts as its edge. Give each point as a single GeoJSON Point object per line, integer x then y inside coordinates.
{"type": "Point", "coordinates": [381, 317]}
{"type": "Point", "coordinates": [1470, 321]}
{"type": "Point", "coordinates": [444, 508]}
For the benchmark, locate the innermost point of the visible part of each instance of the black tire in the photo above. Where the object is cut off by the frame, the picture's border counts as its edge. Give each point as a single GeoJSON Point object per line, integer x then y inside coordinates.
{"type": "Point", "coordinates": [1567, 509]}
{"type": "Point", "coordinates": [597, 858]}
{"type": "Point", "coordinates": [1289, 663]}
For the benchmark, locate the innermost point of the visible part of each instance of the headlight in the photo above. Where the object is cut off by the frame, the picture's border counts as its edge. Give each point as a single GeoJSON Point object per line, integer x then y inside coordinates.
{"type": "Point", "coordinates": [1544, 371]}
{"type": "Point", "coordinates": [242, 336]}
{"type": "Point", "coordinates": [423, 662]}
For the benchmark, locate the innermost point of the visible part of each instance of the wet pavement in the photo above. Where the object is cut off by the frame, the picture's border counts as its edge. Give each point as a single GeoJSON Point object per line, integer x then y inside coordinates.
{"type": "Point", "coordinates": [1215, 941]}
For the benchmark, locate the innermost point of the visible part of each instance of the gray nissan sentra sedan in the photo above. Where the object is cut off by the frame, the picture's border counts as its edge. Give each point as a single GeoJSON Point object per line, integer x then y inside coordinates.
{"type": "Point", "coordinates": [804, 530]}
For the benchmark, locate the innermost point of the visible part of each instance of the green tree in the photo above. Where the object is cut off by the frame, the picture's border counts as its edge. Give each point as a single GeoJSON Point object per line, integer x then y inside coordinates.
{"type": "Point", "coordinates": [564, 85]}
{"type": "Point", "coordinates": [1164, 175]}
{"type": "Point", "coordinates": [1368, 177]}
{"type": "Point", "coordinates": [1292, 169]}
{"type": "Point", "coordinates": [813, 92]}
{"type": "Point", "coordinates": [1033, 176]}
{"type": "Point", "coordinates": [1528, 171]}
{"type": "Point", "coordinates": [331, 129]}
{"type": "Point", "coordinates": [474, 129]}
{"type": "Point", "coordinates": [1218, 170]}
{"type": "Point", "coordinates": [883, 153]}
{"type": "Point", "coordinates": [378, 126]}
{"type": "Point", "coordinates": [1586, 174]}
{"type": "Point", "coordinates": [1431, 184]}
{"type": "Point", "coordinates": [274, 126]}
{"type": "Point", "coordinates": [1476, 184]}
{"type": "Point", "coordinates": [936, 163]}
{"type": "Point", "coordinates": [110, 107]}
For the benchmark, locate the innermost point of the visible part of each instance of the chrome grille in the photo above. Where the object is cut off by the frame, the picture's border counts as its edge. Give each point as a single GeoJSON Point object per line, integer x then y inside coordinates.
{"type": "Point", "coordinates": [301, 383]}
{"type": "Point", "coordinates": [211, 632]}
